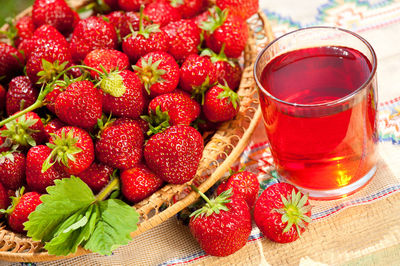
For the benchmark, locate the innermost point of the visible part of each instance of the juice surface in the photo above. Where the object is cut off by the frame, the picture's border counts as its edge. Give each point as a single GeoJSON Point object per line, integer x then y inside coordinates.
{"type": "Point", "coordinates": [324, 147]}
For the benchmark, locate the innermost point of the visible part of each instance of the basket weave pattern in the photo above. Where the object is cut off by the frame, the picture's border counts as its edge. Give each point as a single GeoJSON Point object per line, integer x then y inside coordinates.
{"type": "Point", "coordinates": [220, 152]}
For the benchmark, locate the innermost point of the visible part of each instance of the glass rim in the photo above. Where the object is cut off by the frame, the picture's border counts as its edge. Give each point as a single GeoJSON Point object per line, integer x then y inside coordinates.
{"type": "Point", "coordinates": [329, 103]}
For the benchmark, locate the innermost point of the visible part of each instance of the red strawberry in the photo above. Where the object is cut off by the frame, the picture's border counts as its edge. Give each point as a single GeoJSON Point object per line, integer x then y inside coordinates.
{"type": "Point", "coordinates": [51, 97]}
{"type": "Point", "coordinates": [158, 72]}
{"type": "Point", "coordinates": [132, 5]}
{"type": "Point", "coordinates": [12, 169]}
{"type": "Point", "coordinates": [35, 179]}
{"type": "Point", "coordinates": [22, 206]}
{"type": "Point", "coordinates": [121, 145]}
{"type": "Point", "coordinates": [21, 93]}
{"type": "Point", "coordinates": [79, 105]}
{"type": "Point", "coordinates": [26, 130]}
{"type": "Point", "coordinates": [25, 29]}
{"type": "Point", "coordinates": [4, 198]}
{"type": "Point", "coordinates": [161, 12]}
{"type": "Point", "coordinates": [222, 226]}
{"type": "Point", "coordinates": [53, 12]}
{"type": "Point", "coordinates": [243, 184]}
{"type": "Point", "coordinates": [147, 39]}
{"type": "Point", "coordinates": [115, 18]}
{"type": "Point", "coordinates": [52, 126]}
{"type": "Point", "coordinates": [220, 104]}
{"type": "Point", "coordinates": [138, 183]}
{"type": "Point", "coordinates": [187, 8]}
{"type": "Point", "coordinates": [47, 61]}
{"type": "Point", "coordinates": [110, 60]}
{"type": "Point", "coordinates": [125, 100]}
{"type": "Point", "coordinates": [72, 148]}
{"type": "Point", "coordinates": [142, 123]}
{"type": "Point", "coordinates": [3, 94]}
{"type": "Point", "coordinates": [97, 176]}
{"type": "Point", "coordinates": [175, 153]}
{"type": "Point", "coordinates": [11, 62]}
{"type": "Point", "coordinates": [228, 70]}
{"type": "Point", "coordinates": [180, 107]}
{"type": "Point", "coordinates": [130, 20]}
{"type": "Point", "coordinates": [184, 38]}
{"type": "Point", "coordinates": [44, 35]}
{"type": "Point", "coordinates": [282, 213]}
{"type": "Point", "coordinates": [197, 74]}
{"type": "Point", "coordinates": [241, 8]}
{"type": "Point", "coordinates": [225, 28]}
{"type": "Point", "coordinates": [90, 34]}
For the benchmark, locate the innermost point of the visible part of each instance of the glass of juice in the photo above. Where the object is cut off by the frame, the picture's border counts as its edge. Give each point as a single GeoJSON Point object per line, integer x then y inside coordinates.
{"type": "Point", "coordinates": [318, 94]}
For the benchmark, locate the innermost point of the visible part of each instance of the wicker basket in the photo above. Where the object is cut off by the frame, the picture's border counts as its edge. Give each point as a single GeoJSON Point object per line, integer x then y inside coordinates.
{"type": "Point", "coordinates": [221, 151]}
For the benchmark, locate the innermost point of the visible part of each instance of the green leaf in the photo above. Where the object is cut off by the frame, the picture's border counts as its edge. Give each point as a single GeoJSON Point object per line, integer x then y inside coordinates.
{"type": "Point", "coordinates": [117, 221]}
{"type": "Point", "coordinates": [61, 202]}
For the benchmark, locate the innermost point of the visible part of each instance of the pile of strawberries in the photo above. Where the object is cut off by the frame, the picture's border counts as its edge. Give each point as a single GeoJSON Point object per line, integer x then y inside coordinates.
{"type": "Point", "coordinates": [123, 93]}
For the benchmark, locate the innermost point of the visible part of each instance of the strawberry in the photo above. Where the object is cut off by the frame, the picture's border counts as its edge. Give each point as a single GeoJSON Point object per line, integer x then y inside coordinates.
{"type": "Point", "coordinates": [72, 148]}
{"type": "Point", "coordinates": [120, 145]}
{"type": "Point", "coordinates": [132, 5]}
{"type": "Point", "coordinates": [197, 74]}
{"type": "Point", "coordinates": [80, 104]}
{"type": "Point", "coordinates": [51, 97]}
{"type": "Point", "coordinates": [282, 213]}
{"type": "Point", "coordinates": [223, 225]}
{"type": "Point", "coordinates": [115, 18]}
{"type": "Point", "coordinates": [50, 127]}
{"type": "Point", "coordinates": [228, 70]}
{"type": "Point", "coordinates": [199, 19]}
{"type": "Point", "coordinates": [26, 130]}
{"type": "Point", "coordinates": [241, 8]}
{"type": "Point", "coordinates": [35, 179]}
{"type": "Point", "coordinates": [90, 34]}
{"type": "Point", "coordinates": [3, 94]}
{"type": "Point", "coordinates": [158, 72]}
{"type": "Point", "coordinates": [25, 29]}
{"type": "Point", "coordinates": [144, 126]}
{"type": "Point", "coordinates": [243, 184]}
{"type": "Point", "coordinates": [184, 38]}
{"type": "Point", "coordinates": [220, 104]}
{"type": "Point", "coordinates": [11, 62]}
{"type": "Point", "coordinates": [97, 176]}
{"type": "Point", "coordinates": [44, 35]}
{"type": "Point", "coordinates": [125, 100]}
{"type": "Point", "coordinates": [12, 169]}
{"type": "Point", "coordinates": [4, 198]}
{"type": "Point", "coordinates": [187, 8]}
{"type": "Point", "coordinates": [47, 61]}
{"type": "Point", "coordinates": [106, 59]}
{"type": "Point", "coordinates": [21, 94]}
{"type": "Point", "coordinates": [225, 28]}
{"type": "Point", "coordinates": [161, 12]}
{"type": "Point", "coordinates": [175, 153]}
{"type": "Point", "coordinates": [147, 39]}
{"type": "Point", "coordinates": [138, 183]}
{"type": "Point", "coordinates": [22, 206]}
{"type": "Point", "coordinates": [130, 21]}
{"type": "Point", "coordinates": [180, 107]}
{"type": "Point", "coordinates": [53, 12]}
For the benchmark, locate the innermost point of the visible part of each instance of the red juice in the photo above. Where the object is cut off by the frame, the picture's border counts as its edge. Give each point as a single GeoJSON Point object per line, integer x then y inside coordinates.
{"type": "Point", "coordinates": [318, 141]}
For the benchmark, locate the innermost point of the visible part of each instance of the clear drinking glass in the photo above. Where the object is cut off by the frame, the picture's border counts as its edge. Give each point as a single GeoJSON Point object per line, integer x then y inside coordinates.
{"type": "Point", "coordinates": [318, 94]}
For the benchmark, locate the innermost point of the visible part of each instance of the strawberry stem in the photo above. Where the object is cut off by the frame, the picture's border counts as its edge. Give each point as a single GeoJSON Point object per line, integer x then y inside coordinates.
{"type": "Point", "coordinates": [36, 105]}
{"type": "Point", "coordinates": [113, 185]}
{"type": "Point", "coordinates": [201, 194]}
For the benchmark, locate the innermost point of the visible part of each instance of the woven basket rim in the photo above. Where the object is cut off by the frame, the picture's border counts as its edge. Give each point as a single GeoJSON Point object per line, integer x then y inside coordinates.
{"type": "Point", "coordinates": [34, 256]}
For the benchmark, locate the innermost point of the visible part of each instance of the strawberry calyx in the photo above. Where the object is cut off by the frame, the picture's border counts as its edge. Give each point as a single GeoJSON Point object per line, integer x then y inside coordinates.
{"type": "Point", "coordinates": [232, 96]}
{"type": "Point", "coordinates": [8, 155]}
{"type": "Point", "coordinates": [14, 201]}
{"type": "Point", "coordinates": [50, 71]}
{"type": "Point", "coordinates": [294, 211]}
{"type": "Point", "coordinates": [215, 20]}
{"type": "Point", "coordinates": [214, 57]}
{"type": "Point", "coordinates": [176, 3]}
{"type": "Point", "coordinates": [158, 121]}
{"type": "Point", "coordinates": [198, 92]}
{"type": "Point", "coordinates": [144, 31]}
{"type": "Point", "coordinates": [20, 131]}
{"type": "Point", "coordinates": [150, 73]}
{"type": "Point", "coordinates": [214, 205]}
{"type": "Point", "coordinates": [63, 150]}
